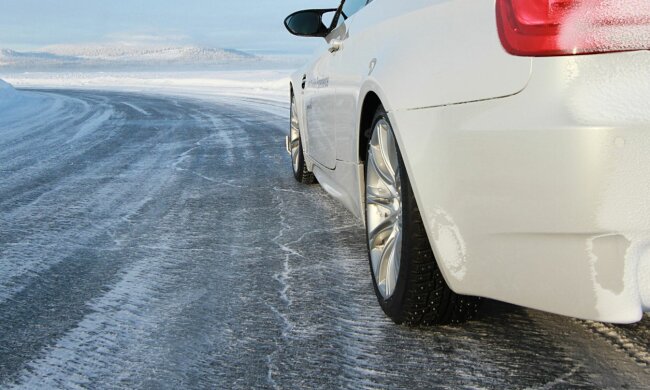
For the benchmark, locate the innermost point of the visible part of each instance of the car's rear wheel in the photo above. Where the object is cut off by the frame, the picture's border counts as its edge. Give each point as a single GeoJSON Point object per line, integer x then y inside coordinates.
{"type": "Point", "coordinates": [408, 283]}
{"type": "Point", "coordinates": [300, 171]}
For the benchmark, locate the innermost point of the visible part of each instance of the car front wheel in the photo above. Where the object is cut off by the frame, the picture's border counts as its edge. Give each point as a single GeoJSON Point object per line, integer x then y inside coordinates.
{"type": "Point", "coordinates": [407, 281]}
{"type": "Point", "coordinates": [295, 148]}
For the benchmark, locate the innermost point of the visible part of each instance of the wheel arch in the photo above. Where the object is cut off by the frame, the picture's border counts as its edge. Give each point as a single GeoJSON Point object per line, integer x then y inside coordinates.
{"type": "Point", "coordinates": [372, 100]}
{"type": "Point", "coordinates": [371, 103]}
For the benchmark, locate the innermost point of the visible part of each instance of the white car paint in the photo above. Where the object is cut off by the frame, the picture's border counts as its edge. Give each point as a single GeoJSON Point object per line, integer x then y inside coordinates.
{"type": "Point", "coordinates": [532, 175]}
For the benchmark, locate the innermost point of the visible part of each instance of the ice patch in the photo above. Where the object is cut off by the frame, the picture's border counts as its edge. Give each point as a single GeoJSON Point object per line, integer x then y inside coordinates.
{"type": "Point", "coordinates": [138, 109]}
{"type": "Point", "coordinates": [617, 338]}
{"type": "Point", "coordinates": [92, 124]}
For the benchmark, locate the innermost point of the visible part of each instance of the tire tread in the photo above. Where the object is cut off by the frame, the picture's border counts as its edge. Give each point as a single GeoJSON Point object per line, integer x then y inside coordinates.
{"type": "Point", "coordinates": [303, 175]}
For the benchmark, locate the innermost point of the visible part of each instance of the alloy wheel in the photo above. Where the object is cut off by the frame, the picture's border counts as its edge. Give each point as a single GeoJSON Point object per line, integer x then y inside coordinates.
{"type": "Point", "coordinates": [384, 208]}
{"type": "Point", "coordinates": [294, 137]}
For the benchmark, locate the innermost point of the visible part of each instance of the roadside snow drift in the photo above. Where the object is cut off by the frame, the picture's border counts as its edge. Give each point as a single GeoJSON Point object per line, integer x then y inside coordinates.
{"type": "Point", "coordinates": [21, 109]}
{"type": "Point", "coordinates": [6, 90]}
{"type": "Point", "coordinates": [8, 97]}
{"type": "Point", "coordinates": [268, 85]}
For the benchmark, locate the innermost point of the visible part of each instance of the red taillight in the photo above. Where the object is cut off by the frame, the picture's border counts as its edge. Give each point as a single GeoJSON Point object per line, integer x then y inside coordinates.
{"type": "Point", "coordinates": [566, 27]}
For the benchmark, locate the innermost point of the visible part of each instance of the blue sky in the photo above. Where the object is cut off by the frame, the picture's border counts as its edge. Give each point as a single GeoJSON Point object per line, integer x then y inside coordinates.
{"type": "Point", "coordinates": [254, 25]}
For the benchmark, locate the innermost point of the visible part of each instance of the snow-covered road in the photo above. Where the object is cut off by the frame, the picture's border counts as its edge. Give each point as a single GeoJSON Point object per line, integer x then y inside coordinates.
{"type": "Point", "coordinates": [150, 241]}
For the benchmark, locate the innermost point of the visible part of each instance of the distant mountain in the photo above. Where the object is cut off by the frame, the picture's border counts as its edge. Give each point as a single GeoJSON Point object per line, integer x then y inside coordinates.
{"type": "Point", "coordinates": [117, 57]}
{"type": "Point", "coordinates": [11, 58]}
{"type": "Point", "coordinates": [143, 53]}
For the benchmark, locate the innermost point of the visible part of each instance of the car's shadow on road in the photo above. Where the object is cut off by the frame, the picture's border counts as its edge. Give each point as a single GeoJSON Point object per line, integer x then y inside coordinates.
{"type": "Point", "coordinates": [491, 310]}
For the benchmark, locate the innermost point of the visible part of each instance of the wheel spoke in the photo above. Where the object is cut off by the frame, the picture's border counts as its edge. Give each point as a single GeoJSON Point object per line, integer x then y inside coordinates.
{"type": "Point", "coordinates": [294, 137]}
{"type": "Point", "coordinates": [377, 235]}
{"type": "Point", "coordinates": [381, 217]}
{"type": "Point", "coordinates": [384, 208]}
{"type": "Point", "coordinates": [295, 131]}
{"type": "Point", "coordinates": [382, 157]}
{"type": "Point", "coordinates": [388, 149]}
{"type": "Point", "coordinates": [379, 196]}
{"type": "Point", "coordinates": [384, 176]}
{"type": "Point", "coordinates": [378, 252]}
{"type": "Point", "coordinates": [387, 273]}
{"type": "Point", "coordinates": [375, 258]}
{"type": "Point", "coordinates": [294, 112]}
{"type": "Point", "coordinates": [395, 260]}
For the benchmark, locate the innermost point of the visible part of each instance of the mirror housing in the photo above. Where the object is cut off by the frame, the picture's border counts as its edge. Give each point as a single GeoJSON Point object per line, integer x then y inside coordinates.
{"type": "Point", "coordinates": [308, 23]}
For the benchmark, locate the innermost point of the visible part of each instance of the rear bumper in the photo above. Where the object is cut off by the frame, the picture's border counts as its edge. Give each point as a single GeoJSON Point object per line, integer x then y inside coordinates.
{"type": "Point", "coordinates": [543, 198]}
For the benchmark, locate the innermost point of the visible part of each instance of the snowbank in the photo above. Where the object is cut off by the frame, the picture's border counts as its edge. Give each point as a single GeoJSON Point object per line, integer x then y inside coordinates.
{"type": "Point", "coordinates": [6, 89]}
{"type": "Point", "coordinates": [19, 106]}
{"type": "Point", "coordinates": [8, 96]}
{"type": "Point", "coordinates": [270, 85]}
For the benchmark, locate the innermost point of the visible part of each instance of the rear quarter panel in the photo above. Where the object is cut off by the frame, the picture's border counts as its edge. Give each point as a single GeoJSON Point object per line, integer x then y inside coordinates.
{"type": "Point", "coordinates": [426, 53]}
{"type": "Point", "coordinates": [431, 52]}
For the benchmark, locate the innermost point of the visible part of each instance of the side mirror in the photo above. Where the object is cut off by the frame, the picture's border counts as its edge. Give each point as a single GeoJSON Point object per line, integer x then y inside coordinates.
{"type": "Point", "coordinates": [308, 23]}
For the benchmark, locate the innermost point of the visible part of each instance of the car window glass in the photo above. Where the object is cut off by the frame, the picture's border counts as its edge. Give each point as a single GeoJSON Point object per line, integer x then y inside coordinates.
{"type": "Point", "coordinates": [351, 7]}
{"type": "Point", "coordinates": [328, 18]}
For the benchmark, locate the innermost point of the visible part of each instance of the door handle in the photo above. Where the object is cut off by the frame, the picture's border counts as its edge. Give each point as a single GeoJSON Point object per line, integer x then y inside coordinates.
{"type": "Point", "coordinates": [336, 45]}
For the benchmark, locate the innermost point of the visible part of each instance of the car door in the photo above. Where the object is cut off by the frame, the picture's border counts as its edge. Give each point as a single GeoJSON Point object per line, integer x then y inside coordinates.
{"type": "Point", "coordinates": [323, 104]}
{"type": "Point", "coordinates": [349, 65]}
{"type": "Point", "coordinates": [320, 111]}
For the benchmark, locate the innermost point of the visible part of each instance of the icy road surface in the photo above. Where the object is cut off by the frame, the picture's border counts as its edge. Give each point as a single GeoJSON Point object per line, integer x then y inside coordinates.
{"type": "Point", "coordinates": [157, 242]}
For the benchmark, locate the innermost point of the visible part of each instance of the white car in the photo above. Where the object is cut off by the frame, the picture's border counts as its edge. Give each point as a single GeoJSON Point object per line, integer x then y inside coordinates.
{"type": "Point", "coordinates": [494, 149]}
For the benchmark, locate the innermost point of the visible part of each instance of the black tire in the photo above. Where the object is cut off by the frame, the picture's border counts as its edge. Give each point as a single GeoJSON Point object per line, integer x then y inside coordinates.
{"type": "Point", "coordinates": [421, 295]}
{"type": "Point", "coordinates": [303, 175]}
{"type": "Point", "coordinates": [300, 171]}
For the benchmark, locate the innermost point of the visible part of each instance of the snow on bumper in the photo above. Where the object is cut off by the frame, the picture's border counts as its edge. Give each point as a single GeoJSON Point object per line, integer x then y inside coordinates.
{"type": "Point", "coordinates": [644, 281]}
